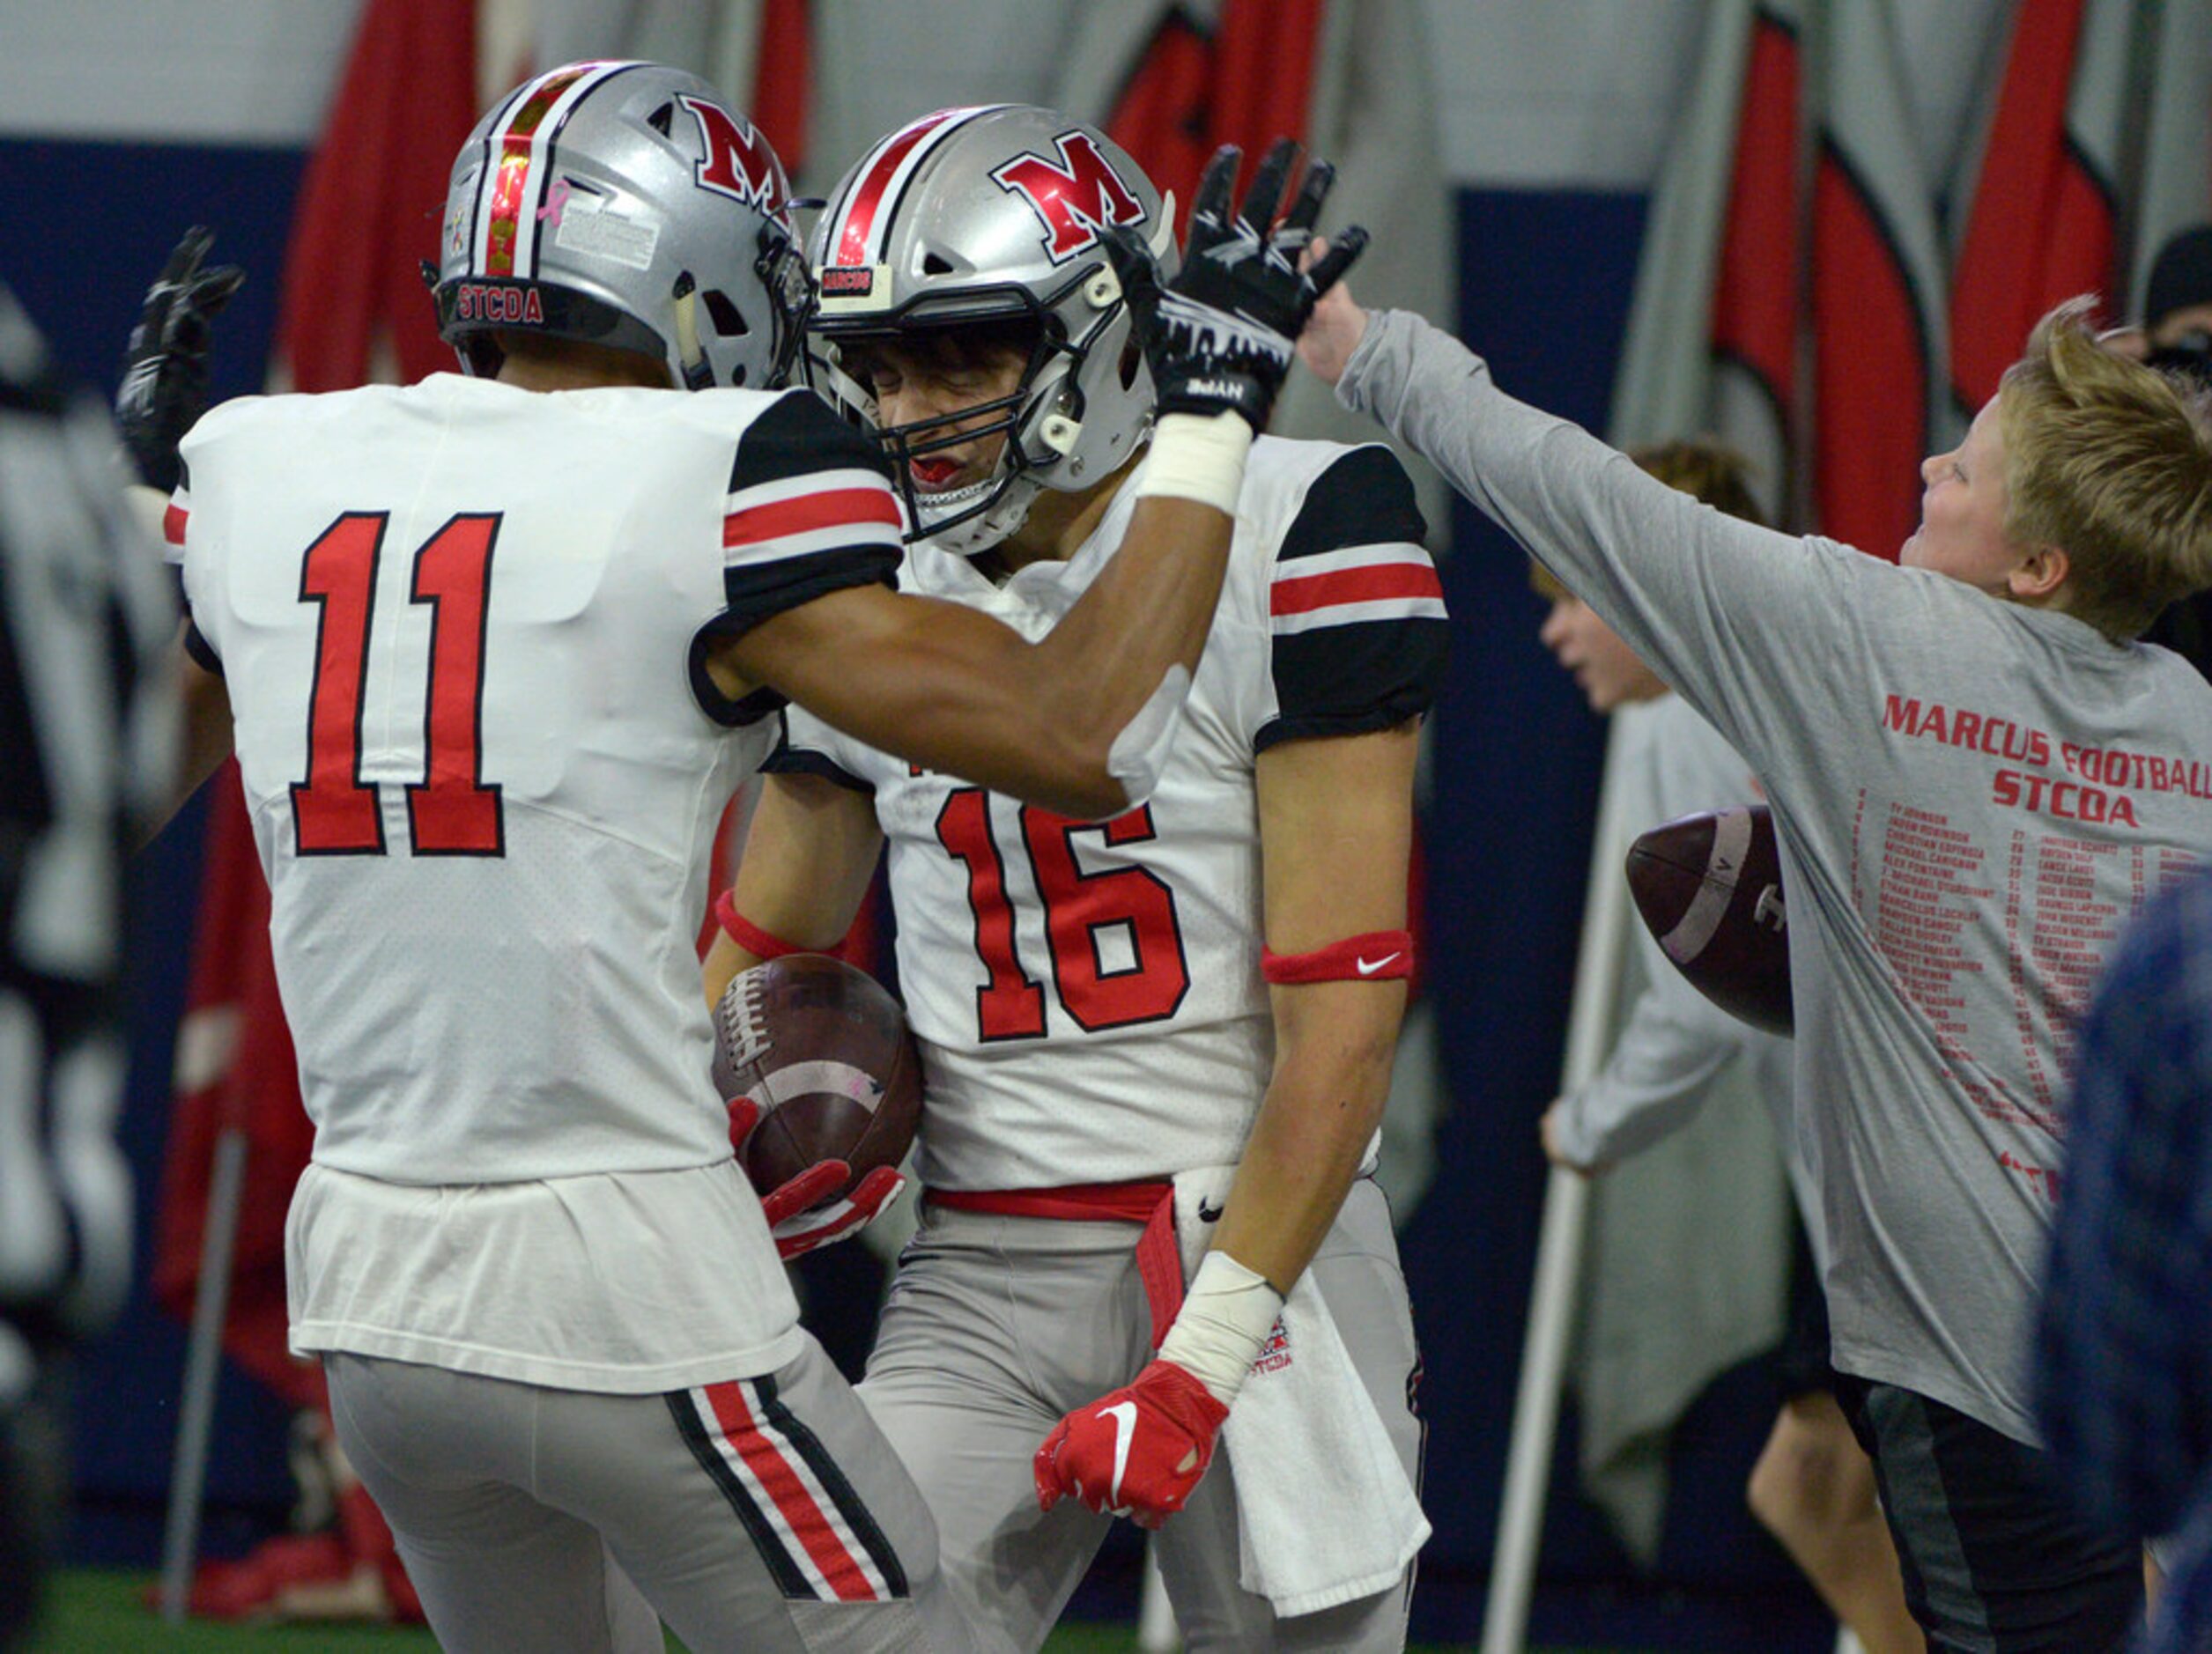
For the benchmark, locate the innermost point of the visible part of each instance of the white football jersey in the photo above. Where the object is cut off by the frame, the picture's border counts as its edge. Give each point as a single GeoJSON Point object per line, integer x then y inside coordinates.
{"type": "Point", "coordinates": [1087, 996]}
{"type": "Point", "coordinates": [461, 627]}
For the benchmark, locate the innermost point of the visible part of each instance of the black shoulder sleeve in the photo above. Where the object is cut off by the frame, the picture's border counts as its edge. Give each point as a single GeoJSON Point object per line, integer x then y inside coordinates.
{"type": "Point", "coordinates": [1356, 618]}
{"type": "Point", "coordinates": [798, 433]}
{"type": "Point", "coordinates": [811, 510]}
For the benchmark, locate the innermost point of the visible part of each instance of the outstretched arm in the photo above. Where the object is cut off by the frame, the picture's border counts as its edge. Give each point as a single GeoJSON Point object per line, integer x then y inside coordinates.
{"type": "Point", "coordinates": [1747, 624]}
{"type": "Point", "coordinates": [1068, 722]}
{"type": "Point", "coordinates": [163, 394]}
{"type": "Point", "coordinates": [1079, 720]}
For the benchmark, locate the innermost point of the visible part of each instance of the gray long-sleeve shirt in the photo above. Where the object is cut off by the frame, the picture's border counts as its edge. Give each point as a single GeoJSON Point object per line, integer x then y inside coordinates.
{"type": "Point", "coordinates": [1972, 798]}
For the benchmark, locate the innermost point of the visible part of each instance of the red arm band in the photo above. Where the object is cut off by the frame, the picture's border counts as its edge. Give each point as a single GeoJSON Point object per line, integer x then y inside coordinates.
{"type": "Point", "coordinates": [749, 936]}
{"type": "Point", "coordinates": [1378, 957]}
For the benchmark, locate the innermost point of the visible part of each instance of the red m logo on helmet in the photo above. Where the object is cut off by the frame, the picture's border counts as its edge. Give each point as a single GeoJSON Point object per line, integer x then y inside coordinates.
{"type": "Point", "coordinates": [738, 161]}
{"type": "Point", "coordinates": [1076, 198]}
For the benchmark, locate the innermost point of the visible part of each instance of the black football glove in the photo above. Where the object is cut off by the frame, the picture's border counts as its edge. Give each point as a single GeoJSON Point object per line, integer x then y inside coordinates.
{"type": "Point", "coordinates": [1220, 336]}
{"type": "Point", "coordinates": [164, 387]}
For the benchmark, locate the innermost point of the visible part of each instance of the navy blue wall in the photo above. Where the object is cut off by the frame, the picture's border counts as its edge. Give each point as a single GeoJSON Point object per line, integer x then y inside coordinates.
{"type": "Point", "coordinates": [1545, 284]}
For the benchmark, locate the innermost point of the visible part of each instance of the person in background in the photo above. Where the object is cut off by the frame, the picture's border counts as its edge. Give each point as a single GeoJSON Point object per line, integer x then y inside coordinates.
{"type": "Point", "coordinates": [2175, 332]}
{"type": "Point", "coordinates": [2124, 1332]}
{"type": "Point", "coordinates": [87, 746]}
{"type": "Point", "coordinates": [2175, 336]}
{"type": "Point", "coordinates": [1973, 767]}
{"type": "Point", "coordinates": [1813, 1486]}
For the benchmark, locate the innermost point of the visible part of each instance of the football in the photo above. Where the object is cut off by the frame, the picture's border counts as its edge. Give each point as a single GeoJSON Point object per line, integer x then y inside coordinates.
{"type": "Point", "coordinates": [1710, 889]}
{"type": "Point", "coordinates": [825, 1052]}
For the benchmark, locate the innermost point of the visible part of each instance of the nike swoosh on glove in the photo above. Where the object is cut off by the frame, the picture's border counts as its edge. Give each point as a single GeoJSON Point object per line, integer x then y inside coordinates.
{"type": "Point", "coordinates": [1136, 1452]}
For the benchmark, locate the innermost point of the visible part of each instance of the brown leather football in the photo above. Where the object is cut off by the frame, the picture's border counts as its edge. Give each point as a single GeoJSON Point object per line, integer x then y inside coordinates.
{"type": "Point", "coordinates": [1710, 889]}
{"type": "Point", "coordinates": [825, 1052]}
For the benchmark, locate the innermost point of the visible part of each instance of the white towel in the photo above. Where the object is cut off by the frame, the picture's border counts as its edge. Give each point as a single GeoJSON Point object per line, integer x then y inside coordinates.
{"type": "Point", "coordinates": [1306, 1440]}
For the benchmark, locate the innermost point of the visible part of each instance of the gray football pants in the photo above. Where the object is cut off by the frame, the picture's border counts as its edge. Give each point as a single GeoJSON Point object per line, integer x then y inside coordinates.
{"type": "Point", "coordinates": [763, 1513]}
{"type": "Point", "coordinates": [996, 1327]}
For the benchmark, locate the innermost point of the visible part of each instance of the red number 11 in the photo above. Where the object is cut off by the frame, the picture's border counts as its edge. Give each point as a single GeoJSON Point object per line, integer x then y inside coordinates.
{"type": "Point", "coordinates": [451, 811]}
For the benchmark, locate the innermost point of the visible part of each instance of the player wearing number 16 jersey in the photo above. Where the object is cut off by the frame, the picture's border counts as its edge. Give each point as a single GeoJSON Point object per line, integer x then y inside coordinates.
{"type": "Point", "coordinates": [496, 649]}
{"type": "Point", "coordinates": [1096, 1019]}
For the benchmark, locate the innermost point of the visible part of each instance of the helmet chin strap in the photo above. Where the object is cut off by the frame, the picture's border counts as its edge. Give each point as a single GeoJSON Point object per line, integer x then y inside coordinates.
{"type": "Point", "coordinates": [691, 356]}
{"type": "Point", "coordinates": [1007, 514]}
{"type": "Point", "coordinates": [987, 529]}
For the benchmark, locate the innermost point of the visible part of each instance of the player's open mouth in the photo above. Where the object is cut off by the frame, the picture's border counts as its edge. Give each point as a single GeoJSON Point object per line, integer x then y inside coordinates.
{"type": "Point", "coordinates": [934, 472]}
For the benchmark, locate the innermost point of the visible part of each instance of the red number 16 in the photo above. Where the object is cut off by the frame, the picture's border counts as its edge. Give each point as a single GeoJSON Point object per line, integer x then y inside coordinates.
{"type": "Point", "coordinates": [1078, 907]}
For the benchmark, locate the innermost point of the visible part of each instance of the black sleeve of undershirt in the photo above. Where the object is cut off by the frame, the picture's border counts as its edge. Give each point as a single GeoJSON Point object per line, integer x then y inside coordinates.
{"type": "Point", "coordinates": [1357, 630]}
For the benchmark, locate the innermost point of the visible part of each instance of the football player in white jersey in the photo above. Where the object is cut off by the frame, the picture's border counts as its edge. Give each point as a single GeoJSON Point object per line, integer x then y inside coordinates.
{"type": "Point", "coordinates": [494, 659]}
{"type": "Point", "coordinates": [1156, 1047]}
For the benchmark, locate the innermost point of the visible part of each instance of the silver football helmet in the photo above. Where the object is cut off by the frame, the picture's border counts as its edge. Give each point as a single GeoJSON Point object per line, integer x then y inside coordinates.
{"type": "Point", "coordinates": [993, 215]}
{"type": "Point", "coordinates": [624, 204]}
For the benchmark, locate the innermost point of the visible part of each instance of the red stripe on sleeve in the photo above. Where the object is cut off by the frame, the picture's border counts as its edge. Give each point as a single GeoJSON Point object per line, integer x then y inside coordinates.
{"type": "Point", "coordinates": [831, 508]}
{"type": "Point", "coordinates": [173, 521]}
{"type": "Point", "coordinates": [1376, 584]}
{"type": "Point", "coordinates": [733, 1410]}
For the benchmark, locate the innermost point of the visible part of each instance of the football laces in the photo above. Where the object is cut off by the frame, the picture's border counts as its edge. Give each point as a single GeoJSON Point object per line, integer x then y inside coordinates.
{"type": "Point", "coordinates": [740, 1022]}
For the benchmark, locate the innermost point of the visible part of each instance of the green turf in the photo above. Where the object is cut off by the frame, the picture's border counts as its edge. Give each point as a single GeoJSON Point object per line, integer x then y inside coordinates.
{"type": "Point", "coordinates": [96, 1612]}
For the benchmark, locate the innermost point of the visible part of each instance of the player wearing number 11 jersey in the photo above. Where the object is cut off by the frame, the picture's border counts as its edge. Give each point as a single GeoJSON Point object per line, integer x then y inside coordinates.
{"type": "Point", "coordinates": [497, 648]}
{"type": "Point", "coordinates": [1090, 995]}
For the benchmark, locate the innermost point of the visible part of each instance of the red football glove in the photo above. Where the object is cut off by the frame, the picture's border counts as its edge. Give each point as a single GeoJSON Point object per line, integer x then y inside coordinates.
{"type": "Point", "coordinates": [799, 1225]}
{"type": "Point", "coordinates": [798, 1219]}
{"type": "Point", "coordinates": [744, 1114]}
{"type": "Point", "coordinates": [1136, 1452]}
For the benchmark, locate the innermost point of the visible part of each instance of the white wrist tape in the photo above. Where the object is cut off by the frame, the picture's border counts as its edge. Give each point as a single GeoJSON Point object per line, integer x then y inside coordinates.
{"type": "Point", "coordinates": [1228, 1312]}
{"type": "Point", "coordinates": [1139, 753]}
{"type": "Point", "coordinates": [1197, 456]}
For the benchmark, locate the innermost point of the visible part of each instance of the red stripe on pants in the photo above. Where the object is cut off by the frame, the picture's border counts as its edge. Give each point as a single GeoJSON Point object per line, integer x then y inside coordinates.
{"type": "Point", "coordinates": [733, 1412]}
